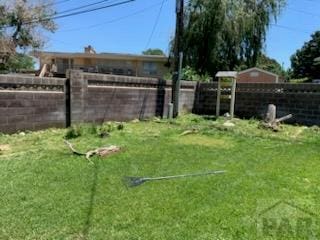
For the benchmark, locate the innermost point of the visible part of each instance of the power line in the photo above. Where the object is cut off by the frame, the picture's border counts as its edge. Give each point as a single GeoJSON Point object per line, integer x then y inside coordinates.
{"type": "Point", "coordinates": [56, 3]}
{"type": "Point", "coordinates": [52, 4]}
{"type": "Point", "coordinates": [90, 10]}
{"type": "Point", "coordinates": [289, 28]}
{"type": "Point", "coordinates": [313, 1]}
{"type": "Point", "coordinates": [112, 20]}
{"type": "Point", "coordinates": [155, 24]}
{"type": "Point", "coordinates": [71, 9]}
{"type": "Point", "coordinates": [303, 12]}
{"type": "Point", "coordinates": [80, 12]}
{"type": "Point", "coordinates": [81, 7]}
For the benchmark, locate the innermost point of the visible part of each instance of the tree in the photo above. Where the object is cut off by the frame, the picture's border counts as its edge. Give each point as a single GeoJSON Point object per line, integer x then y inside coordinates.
{"type": "Point", "coordinates": [269, 64]}
{"type": "Point", "coordinates": [21, 25]}
{"type": "Point", "coordinates": [266, 63]}
{"type": "Point", "coordinates": [223, 34]}
{"type": "Point", "coordinates": [153, 51]}
{"type": "Point", "coordinates": [22, 21]}
{"type": "Point", "coordinates": [303, 61]}
{"type": "Point", "coordinates": [19, 62]}
{"type": "Point", "coordinates": [189, 74]}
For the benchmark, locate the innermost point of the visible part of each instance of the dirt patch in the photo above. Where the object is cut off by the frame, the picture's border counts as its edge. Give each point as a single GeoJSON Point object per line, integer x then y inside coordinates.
{"type": "Point", "coordinates": [207, 141]}
{"type": "Point", "coordinates": [4, 148]}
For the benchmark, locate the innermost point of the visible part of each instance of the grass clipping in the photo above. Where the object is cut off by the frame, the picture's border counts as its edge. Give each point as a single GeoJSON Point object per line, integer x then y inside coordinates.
{"type": "Point", "coordinates": [4, 148]}
{"type": "Point", "coordinates": [102, 152]}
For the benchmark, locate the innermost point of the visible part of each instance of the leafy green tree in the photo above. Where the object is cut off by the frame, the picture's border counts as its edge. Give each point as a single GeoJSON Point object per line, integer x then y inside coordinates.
{"type": "Point", "coordinates": [303, 61]}
{"type": "Point", "coordinates": [265, 63]}
{"type": "Point", "coordinates": [189, 74]}
{"type": "Point", "coordinates": [17, 62]}
{"type": "Point", "coordinates": [153, 51]}
{"type": "Point", "coordinates": [21, 21]}
{"type": "Point", "coordinates": [270, 64]}
{"type": "Point", "coordinates": [20, 62]}
{"type": "Point", "coordinates": [223, 34]}
{"type": "Point", "coordinates": [21, 25]}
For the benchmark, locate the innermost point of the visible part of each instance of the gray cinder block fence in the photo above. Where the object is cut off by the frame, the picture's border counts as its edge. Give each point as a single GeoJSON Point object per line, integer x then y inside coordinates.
{"type": "Point", "coordinates": [301, 100]}
{"type": "Point", "coordinates": [31, 103]}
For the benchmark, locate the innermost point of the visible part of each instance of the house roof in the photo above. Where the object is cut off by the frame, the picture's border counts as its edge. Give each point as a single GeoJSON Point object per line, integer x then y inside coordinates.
{"type": "Point", "coordinates": [258, 69]}
{"type": "Point", "coordinates": [226, 74]}
{"type": "Point", "coordinates": [113, 56]}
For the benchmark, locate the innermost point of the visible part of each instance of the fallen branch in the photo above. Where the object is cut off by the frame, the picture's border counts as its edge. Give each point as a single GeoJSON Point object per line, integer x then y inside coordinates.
{"type": "Point", "coordinates": [283, 118]}
{"type": "Point", "coordinates": [187, 132]}
{"type": "Point", "coordinates": [73, 149]}
{"type": "Point", "coordinates": [102, 152]}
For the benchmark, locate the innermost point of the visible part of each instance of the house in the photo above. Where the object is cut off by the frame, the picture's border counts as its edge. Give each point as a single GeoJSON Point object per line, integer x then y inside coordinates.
{"type": "Point", "coordinates": [106, 63]}
{"type": "Point", "coordinates": [257, 75]}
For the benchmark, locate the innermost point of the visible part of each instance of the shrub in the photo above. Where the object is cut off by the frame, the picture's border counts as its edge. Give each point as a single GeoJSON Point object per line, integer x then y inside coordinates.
{"type": "Point", "coordinates": [190, 74]}
{"type": "Point", "coordinates": [106, 128]}
{"type": "Point", "coordinates": [74, 131]}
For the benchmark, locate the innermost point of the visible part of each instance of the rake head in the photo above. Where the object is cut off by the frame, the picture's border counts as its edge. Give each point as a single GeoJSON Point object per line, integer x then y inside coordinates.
{"type": "Point", "coordinates": [133, 181]}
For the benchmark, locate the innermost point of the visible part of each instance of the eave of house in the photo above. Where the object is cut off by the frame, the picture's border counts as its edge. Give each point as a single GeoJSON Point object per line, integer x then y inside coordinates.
{"type": "Point", "coordinates": [111, 56]}
{"type": "Point", "coordinates": [259, 70]}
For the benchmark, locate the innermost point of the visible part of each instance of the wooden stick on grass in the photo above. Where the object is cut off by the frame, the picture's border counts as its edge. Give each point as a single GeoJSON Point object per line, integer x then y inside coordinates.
{"type": "Point", "coordinates": [102, 152]}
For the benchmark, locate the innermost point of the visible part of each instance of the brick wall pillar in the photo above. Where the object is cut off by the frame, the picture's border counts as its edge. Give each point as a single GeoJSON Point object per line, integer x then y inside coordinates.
{"type": "Point", "coordinates": [78, 96]}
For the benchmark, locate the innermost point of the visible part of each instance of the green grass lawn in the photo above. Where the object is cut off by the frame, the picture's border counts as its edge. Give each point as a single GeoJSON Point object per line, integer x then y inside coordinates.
{"type": "Point", "coordinates": [48, 193]}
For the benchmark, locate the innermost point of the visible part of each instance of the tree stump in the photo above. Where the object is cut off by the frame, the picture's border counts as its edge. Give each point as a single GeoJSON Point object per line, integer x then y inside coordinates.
{"type": "Point", "coordinates": [271, 113]}
{"type": "Point", "coordinates": [271, 121]}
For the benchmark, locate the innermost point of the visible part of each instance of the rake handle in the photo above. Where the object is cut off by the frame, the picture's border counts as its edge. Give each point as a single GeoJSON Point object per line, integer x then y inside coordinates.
{"type": "Point", "coordinates": [182, 176]}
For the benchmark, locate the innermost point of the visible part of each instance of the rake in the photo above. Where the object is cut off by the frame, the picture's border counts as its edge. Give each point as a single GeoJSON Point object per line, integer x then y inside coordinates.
{"type": "Point", "coordinates": [136, 181]}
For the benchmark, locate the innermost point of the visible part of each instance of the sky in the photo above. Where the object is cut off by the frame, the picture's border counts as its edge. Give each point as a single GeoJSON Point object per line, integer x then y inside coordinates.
{"type": "Point", "coordinates": [128, 28]}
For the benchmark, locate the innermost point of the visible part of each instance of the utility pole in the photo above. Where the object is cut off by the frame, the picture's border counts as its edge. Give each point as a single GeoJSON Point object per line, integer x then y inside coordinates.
{"type": "Point", "coordinates": [178, 55]}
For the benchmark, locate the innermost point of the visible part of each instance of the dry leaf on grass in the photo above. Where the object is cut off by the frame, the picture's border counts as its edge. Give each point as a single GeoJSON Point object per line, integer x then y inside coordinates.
{"type": "Point", "coordinates": [4, 147]}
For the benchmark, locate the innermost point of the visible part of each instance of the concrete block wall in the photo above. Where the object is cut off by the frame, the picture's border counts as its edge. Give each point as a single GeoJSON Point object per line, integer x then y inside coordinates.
{"type": "Point", "coordinates": [252, 99]}
{"type": "Point", "coordinates": [98, 98]}
{"type": "Point", "coordinates": [78, 87]}
{"type": "Point", "coordinates": [30, 103]}
{"type": "Point", "coordinates": [301, 100]}
{"type": "Point", "coordinates": [206, 98]}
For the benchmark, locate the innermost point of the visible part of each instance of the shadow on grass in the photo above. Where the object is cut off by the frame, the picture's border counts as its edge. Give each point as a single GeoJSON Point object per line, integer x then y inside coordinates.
{"type": "Point", "coordinates": [93, 191]}
{"type": "Point", "coordinates": [208, 117]}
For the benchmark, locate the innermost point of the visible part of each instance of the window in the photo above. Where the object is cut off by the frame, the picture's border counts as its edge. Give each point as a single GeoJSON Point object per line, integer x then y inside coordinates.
{"type": "Point", "coordinates": [149, 68]}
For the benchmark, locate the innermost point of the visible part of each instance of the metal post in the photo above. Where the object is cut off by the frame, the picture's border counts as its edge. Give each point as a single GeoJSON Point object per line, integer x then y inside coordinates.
{"type": "Point", "coordinates": [170, 110]}
{"type": "Point", "coordinates": [233, 96]}
{"type": "Point", "coordinates": [218, 98]}
{"type": "Point", "coordinates": [176, 109]}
